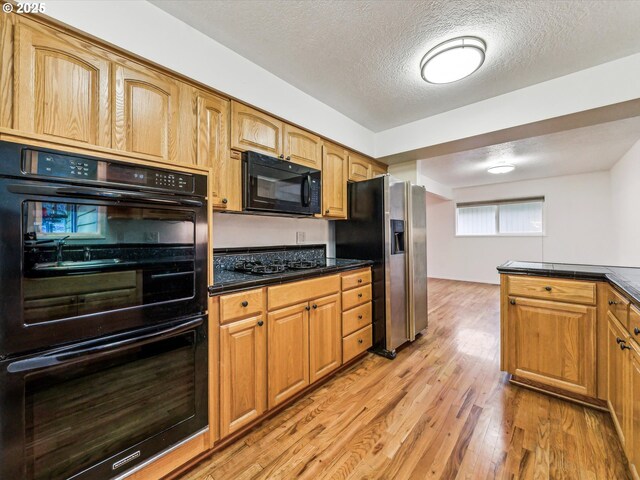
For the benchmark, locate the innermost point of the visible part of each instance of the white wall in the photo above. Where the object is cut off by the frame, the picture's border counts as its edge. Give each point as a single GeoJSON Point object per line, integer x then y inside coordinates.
{"type": "Point", "coordinates": [144, 29]}
{"type": "Point", "coordinates": [577, 222]}
{"type": "Point", "coordinates": [625, 204]}
{"type": "Point", "coordinates": [236, 230]}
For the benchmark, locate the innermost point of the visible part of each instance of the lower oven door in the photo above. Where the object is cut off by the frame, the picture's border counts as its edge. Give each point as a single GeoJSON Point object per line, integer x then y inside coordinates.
{"type": "Point", "coordinates": [97, 409]}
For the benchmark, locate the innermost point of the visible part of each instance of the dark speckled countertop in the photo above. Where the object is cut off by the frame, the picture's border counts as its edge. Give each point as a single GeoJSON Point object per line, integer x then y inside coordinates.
{"type": "Point", "coordinates": [225, 281]}
{"type": "Point", "coordinates": [626, 279]}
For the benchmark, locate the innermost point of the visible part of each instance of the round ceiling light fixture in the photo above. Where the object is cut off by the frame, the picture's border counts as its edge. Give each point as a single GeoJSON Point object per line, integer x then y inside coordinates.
{"type": "Point", "coordinates": [501, 168]}
{"type": "Point", "coordinates": [453, 60]}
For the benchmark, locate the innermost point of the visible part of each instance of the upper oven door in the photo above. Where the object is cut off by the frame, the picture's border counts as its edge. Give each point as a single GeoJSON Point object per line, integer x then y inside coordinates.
{"type": "Point", "coordinates": [84, 262]}
{"type": "Point", "coordinates": [273, 185]}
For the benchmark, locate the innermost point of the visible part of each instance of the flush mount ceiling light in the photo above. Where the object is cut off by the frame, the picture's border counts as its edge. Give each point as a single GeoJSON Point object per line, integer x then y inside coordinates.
{"type": "Point", "coordinates": [502, 168]}
{"type": "Point", "coordinates": [453, 60]}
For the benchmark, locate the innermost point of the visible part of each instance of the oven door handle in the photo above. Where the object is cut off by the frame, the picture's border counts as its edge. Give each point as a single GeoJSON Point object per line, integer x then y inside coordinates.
{"type": "Point", "coordinates": [103, 194]}
{"type": "Point", "coordinates": [115, 342]}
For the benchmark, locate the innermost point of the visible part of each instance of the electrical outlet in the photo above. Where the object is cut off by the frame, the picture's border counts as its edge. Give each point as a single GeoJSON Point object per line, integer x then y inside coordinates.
{"type": "Point", "coordinates": [300, 237]}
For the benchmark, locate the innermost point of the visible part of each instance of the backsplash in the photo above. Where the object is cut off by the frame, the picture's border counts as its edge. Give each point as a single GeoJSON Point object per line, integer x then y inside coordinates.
{"type": "Point", "coordinates": [225, 258]}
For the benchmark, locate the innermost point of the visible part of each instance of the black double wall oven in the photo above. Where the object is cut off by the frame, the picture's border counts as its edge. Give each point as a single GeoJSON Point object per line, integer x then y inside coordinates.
{"type": "Point", "coordinates": [103, 332]}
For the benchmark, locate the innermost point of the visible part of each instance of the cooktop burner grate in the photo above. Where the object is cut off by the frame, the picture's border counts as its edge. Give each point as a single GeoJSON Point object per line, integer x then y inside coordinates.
{"type": "Point", "coordinates": [258, 267]}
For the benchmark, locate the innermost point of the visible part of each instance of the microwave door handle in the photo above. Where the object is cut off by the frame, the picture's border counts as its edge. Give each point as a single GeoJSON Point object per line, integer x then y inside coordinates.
{"type": "Point", "coordinates": [306, 191]}
{"type": "Point", "coordinates": [110, 345]}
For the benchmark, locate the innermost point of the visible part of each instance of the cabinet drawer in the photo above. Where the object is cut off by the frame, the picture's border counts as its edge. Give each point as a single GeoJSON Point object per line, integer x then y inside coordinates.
{"type": "Point", "coordinates": [356, 343]}
{"type": "Point", "coordinates": [553, 289]}
{"type": "Point", "coordinates": [618, 306]}
{"type": "Point", "coordinates": [357, 296]}
{"type": "Point", "coordinates": [241, 304]}
{"type": "Point", "coordinates": [634, 323]}
{"type": "Point", "coordinates": [356, 279]}
{"type": "Point", "coordinates": [298, 292]}
{"type": "Point", "coordinates": [356, 318]}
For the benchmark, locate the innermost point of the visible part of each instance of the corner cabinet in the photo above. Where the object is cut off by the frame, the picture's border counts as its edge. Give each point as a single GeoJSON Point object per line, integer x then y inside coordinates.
{"type": "Point", "coordinates": [62, 86]}
{"type": "Point", "coordinates": [335, 162]}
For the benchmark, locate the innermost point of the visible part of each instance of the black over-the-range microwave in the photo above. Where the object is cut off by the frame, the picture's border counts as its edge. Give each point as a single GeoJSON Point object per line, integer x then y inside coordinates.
{"type": "Point", "coordinates": [272, 185]}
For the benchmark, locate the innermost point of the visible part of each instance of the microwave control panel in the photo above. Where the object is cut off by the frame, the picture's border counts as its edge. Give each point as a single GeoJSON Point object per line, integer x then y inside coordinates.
{"type": "Point", "coordinates": [70, 167]}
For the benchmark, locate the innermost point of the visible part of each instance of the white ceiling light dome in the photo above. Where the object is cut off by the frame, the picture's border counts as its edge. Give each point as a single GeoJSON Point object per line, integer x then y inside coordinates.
{"type": "Point", "coordinates": [453, 60]}
{"type": "Point", "coordinates": [501, 168]}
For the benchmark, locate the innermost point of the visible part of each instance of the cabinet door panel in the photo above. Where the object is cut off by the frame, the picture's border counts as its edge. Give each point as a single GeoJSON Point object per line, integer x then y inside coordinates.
{"type": "Point", "coordinates": [61, 86]}
{"type": "Point", "coordinates": [213, 152]}
{"type": "Point", "coordinates": [288, 352]}
{"type": "Point", "coordinates": [376, 171]}
{"type": "Point", "coordinates": [243, 369]}
{"type": "Point", "coordinates": [634, 410]}
{"type": "Point", "coordinates": [359, 168]}
{"type": "Point", "coordinates": [146, 112]}
{"type": "Point", "coordinates": [617, 377]}
{"type": "Point", "coordinates": [325, 336]}
{"type": "Point", "coordinates": [554, 343]}
{"type": "Point", "coordinates": [302, 147]}
{"type": "Point", "coordinates": [334, 181]}
{"type": "Point", "coordinates": [255, 131]}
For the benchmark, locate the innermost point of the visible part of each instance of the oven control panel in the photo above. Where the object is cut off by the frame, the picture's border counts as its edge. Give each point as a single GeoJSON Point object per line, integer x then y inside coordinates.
{"type": "Point", "coordinates": [79, 168]}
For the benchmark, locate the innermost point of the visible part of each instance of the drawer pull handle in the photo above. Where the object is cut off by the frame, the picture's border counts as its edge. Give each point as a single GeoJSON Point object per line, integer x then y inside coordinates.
{"type": "Point", "coordinates": [359, 280]}
{"type": "Point", "coordinates": [636, 331]}
{"type": "Point", "coordinates": [547, 288]}
{"type": "Point", "coordinates": [612, 302]}
{"type": "Point", "coordinates": [512, 301]}
{"type": "Point", "coordinates": [619, 340]}
{"type": "Point", "coordinates": [260, 323]}
{"type": "Point", "coordinates": [359, 295]}
{"type": "Point", "coordinates": [245, 304]}
{"type": "Point", "coordinates": [624, 346]}
{"type": "Point", "coordinates": [360, 318]}
{"type": "Point", "coordinates": [360, 340]}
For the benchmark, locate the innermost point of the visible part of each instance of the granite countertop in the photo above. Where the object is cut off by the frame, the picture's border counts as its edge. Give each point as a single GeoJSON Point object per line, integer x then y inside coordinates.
{"type": "Point", "coordinates": [626, 279]}
{"type": "Point", "coordinates": [225, 281]}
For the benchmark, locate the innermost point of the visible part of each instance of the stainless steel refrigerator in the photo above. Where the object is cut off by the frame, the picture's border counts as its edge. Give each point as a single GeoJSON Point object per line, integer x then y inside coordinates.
{"type": "Point", "coordinates": [388, 225]}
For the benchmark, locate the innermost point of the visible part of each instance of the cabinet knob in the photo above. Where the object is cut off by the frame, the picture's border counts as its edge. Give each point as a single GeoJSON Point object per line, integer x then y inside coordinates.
{"type": "Point", "coordinates": [288, 159]}
{"type": "Point", "coordinates": [624, 346]}
{"type": "Point", "coordinates": [612, 302]}
{"type": "Point", "coordinates": [281, 156]}
{"type": "Point", "coordinates": [225, 201]}
{"type": "Point", "coordinates": [512, 301]}
{"type": "Point", "coordinates": [307, 308]}
{"type": "Point", "coordinates": [359, 295]}
{"type": "Point", "coordinates": [326, 212]}
{"type": "Point", "coordinates": [245, 304]}
{"type": "Point", "coordinates": [315, 306]}
{"type": "Point", "coordinates": [359, 280]}
{"type": "Point", "coordinates": [619, 340]}
{"type": "Point", "coordinates": [360, 340]}
{"type": "Point", "coordinates": [260, 323]}
{"type": "Point", "coordinates": [547, 288]}
{"type": "Point", "coordinates": [359, 317]}
{"type": "Point", "coordinates": [636, 331]}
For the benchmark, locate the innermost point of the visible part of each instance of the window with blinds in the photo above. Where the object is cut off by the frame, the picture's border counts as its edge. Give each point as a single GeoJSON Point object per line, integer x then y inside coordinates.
{"type": "Point", "coordinates": [502, 217]}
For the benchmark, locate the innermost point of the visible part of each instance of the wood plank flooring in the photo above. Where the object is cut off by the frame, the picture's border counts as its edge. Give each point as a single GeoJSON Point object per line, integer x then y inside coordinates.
{"type": "Point", "coordinates": [440, 410]}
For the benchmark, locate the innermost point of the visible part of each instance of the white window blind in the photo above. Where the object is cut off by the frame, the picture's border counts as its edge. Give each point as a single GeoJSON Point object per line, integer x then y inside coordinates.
{"type": "Point", "coordinates": [503, 217]}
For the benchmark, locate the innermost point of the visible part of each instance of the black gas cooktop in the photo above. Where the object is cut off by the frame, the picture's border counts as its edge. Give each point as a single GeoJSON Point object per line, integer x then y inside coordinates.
{"type": "Point", "coordinates": [276, 266]}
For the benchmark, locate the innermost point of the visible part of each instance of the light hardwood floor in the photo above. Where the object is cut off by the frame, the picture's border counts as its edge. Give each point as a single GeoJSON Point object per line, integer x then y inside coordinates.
{"type": "Point", "coordinates": [441, 409]}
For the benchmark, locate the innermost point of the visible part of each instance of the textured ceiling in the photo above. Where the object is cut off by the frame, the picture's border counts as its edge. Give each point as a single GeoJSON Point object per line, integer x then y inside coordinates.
{"type": "Point", "coordinates": [362, 57]}
{"type": "Point", "coordinates": [582, 150]}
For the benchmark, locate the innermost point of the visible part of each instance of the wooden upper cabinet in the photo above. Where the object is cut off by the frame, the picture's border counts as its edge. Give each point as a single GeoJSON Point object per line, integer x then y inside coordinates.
{"type": "Point", "coordinates": [288, 352]}
{"type": "Point", "coordinates": [255, 131]}
{"type": "Point", "coordinates": [359, 168]}
{"type": "Point", "coordinates": [213, 152]}
{"type": "Point", "coordinates": [61, 86]}
{"type": "Point", "coordinates": [377, 170]}
{"type": "Point", "coordinates": [243, 373]}
{"type": "Point", "coordinates": [617, 378]}
{"type": "Point", "coordinates": [302, 147]}
{"type": "Point", "coordinates": [553, 343]}
{"type": "Point", "coordinates": [334, 181]}
{"type": "Point", "coordinates": [325, 336]}
{"type": "Point", "coordinates": [145, 111]}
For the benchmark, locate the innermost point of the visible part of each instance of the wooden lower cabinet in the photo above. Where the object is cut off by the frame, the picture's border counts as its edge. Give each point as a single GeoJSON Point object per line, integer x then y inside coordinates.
{"type": "Point", "coordinates": [243, 373]}
{"type": "Point", "coordinates": [288, 352]}
{"type": "Point", "coordinates": [325, 337]}
{"type": "Point", "coordinates": [617, 377]}
{"type": "Point", "coordinates": [634, 411]}
{"type": "Point", "coordinates": [553, 343]}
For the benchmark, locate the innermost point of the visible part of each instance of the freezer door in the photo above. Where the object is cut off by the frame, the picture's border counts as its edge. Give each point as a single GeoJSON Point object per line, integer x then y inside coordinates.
{"type": "Point", "coordinates": [397, 331]}
{"type": "Point", "coordinates": [416, 259]}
